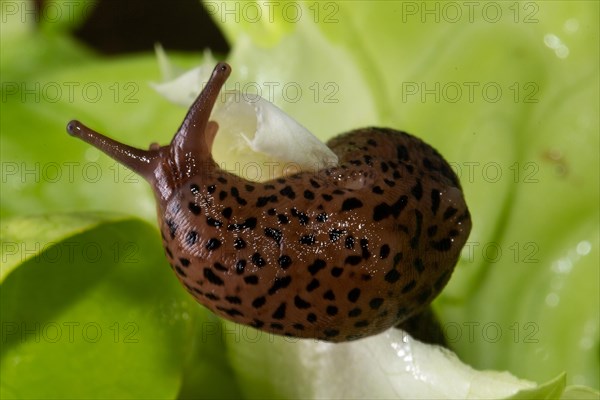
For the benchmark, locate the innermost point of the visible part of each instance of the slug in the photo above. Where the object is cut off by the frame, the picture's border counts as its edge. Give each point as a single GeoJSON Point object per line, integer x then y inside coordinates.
{"type": "Point", "coordinates": [338, 254]}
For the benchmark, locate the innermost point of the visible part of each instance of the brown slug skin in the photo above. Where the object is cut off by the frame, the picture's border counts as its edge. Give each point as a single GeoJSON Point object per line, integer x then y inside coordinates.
{"type": "Point", "coordinates": [338, 254]}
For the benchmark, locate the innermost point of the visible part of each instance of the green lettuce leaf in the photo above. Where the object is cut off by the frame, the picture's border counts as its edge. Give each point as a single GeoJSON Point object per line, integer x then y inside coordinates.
{"type": "Point", "coordinates": [91, 312]}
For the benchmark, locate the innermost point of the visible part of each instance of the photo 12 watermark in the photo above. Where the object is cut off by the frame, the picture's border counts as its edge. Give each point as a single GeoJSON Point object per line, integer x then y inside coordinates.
{"type": "Point", "coordinates": [71, 251]}
{"type": "Point", "coordinates": [262, 12]}
{"type": "Point", "coordinates": [70, 332]}
{"type": "Point", "coordinates": [491, 332]}
{"type": "Point", "coordinates": [288, 92]}
{"type": "Point", "coordinates": [469, 92]}
{"type": "Point", "coordinates": [12, 172]}
{"type": "Point", "coordinates": [49, 12]}
{"type": "Point", "coordinates": [525, 252]}
{"type": "Point", "coordinates": [494, 172]}
{"type": "Point", "coordinates": [452, 12]}
{"type": "Point", "coordinates": [70, 92]}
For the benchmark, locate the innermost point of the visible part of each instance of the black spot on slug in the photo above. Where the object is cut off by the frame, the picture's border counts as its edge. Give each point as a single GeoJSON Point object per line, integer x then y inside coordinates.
{"type": "Point", "coordinates": [250, 223]}
{"type": "Point", "coordinates": [288, 192]}
{"type": "Point", "coordinates": [309, 195]}
{"type": "Point", "coordinates": [316, 266]}
{"type": "Point", "coordinates": [353, 295]}
{"type": "Point", "coordinates": [191, 238]}
{"type": "Point", "coordinates": [258, 260]}
{"type": "Point", "coordinates": [349, 242]}
{"type": "Point", "coordinates": [240, 266]}
{"type": "Point", "coordinates": [402, 152]}
{"type": "Point", "coordinates": [259, 302]}
{"type": "Point", "coordinates": [335, 234]}
{"type": "Point", "coordinates": [301, 303]}
{"type": "Point", "coordinates": [211, 296]}
{"type": "Point", "coordinates": [172, 228]}
{"type": "Point", "coordinates": [233, 299]}
{"type": "Point", "coordinates": [280, 311]}
{"type": "Point", "coordinates": [232, 312]}
{"type": "Point", "coordinates": [397, 258]}
{"type": "Point", "coordinates": [213, 244]}
{"type": "Point", "coordinates": [364, 246]}
{"type": "Point", "coordinates": [377, 190]}
{"type": "Point", "coordinates": [302, 217]}
{"type": "Point", "coordinates": [331, 332]}
{"type": "Point", "coordinates": [450, 211]}
{"type": "Point", "coordinates": [435, 201]}
{"type": "Point", "coordinates": [351, 204]}
{"type": "Point", "coordinates": [280, 283]}
{"type": "Point", "coordinates": [264, 200]}
{"type": "Point", "coordinates": [184, 262]}
{"type": "Point", "coordinates": [307, 239]}
{"type": "Point", "coordinates": [355, 312]}
{"type": "Point", "coordinates": [213, 222]}
{"type": "Point", "coordinates": [219, 267]}
{"type": "Point", "coordinates": [353, 260]}
{"type": "Point", "coordinates": [313, 285]}
{"type": "Point", "coordinates": [194, 208]}
{"type": "Point", "coordinates": [409, 286]}
{"type": "Point", "coordinates": [384, 210]}
{"type": "Point", "coordinates": [376, 303]}
{"type": "Point", "coordinates": [257, 324]}
{"type": "Point", "coordinates": [417, 190]}
{"type": "Point", "coordinates": [212, 278]}
{"type": "Point", "coordinates": [384, 252]}
{"type": "Point", "coordinates": [274, 234]}
{"type": "Point", "coordinates": [227, 212]}
{"type": "Point", "coordinates": [418, 264]}
{"type": "Point", "coordinates": [284, 261]}
{"type": "Point", "coordinates": [414, 241]}
{"type": "Point", "coordinates": [180, 271]}
{"type": "Point", "coordinates": [322, 217]}
{"type": "Point", "coordinates": [392, 276]}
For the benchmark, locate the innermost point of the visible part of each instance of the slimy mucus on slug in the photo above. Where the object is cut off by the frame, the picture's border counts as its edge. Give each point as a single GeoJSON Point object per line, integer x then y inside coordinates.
{"type": "Point", "coordinates": [338, 254]}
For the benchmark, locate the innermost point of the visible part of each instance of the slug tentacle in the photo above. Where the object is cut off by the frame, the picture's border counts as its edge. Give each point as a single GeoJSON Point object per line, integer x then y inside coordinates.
{"type": "Point", "coordinates": [189, 153]}
{"type": "Point", "coordinates": [192, 143]}
{"type": "Point", "coordinates": [338, 254]}
{"type": "Point", "coordinates": [142, 162]}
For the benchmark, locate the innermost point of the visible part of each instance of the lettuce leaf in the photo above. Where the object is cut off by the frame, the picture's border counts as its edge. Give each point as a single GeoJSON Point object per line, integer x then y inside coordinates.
{"type": "Point", "coordinates": [531, 310]}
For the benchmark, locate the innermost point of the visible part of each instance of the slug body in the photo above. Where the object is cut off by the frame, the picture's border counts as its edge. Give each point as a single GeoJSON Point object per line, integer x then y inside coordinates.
{"type": "Point", "coordinates": [338, 254]}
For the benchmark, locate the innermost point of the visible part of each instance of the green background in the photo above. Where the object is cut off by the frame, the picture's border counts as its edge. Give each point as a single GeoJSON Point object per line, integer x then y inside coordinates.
{"type": "Point", "coordinates": [89, 306]}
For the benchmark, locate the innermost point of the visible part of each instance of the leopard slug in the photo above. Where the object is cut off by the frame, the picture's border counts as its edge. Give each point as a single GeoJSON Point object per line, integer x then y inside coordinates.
{"type": "Point", "coordinates": [337, 254]}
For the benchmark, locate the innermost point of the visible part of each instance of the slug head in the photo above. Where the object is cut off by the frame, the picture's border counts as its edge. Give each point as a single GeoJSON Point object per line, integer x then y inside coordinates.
{"type": "Point", "coordinates": [167, 167]}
